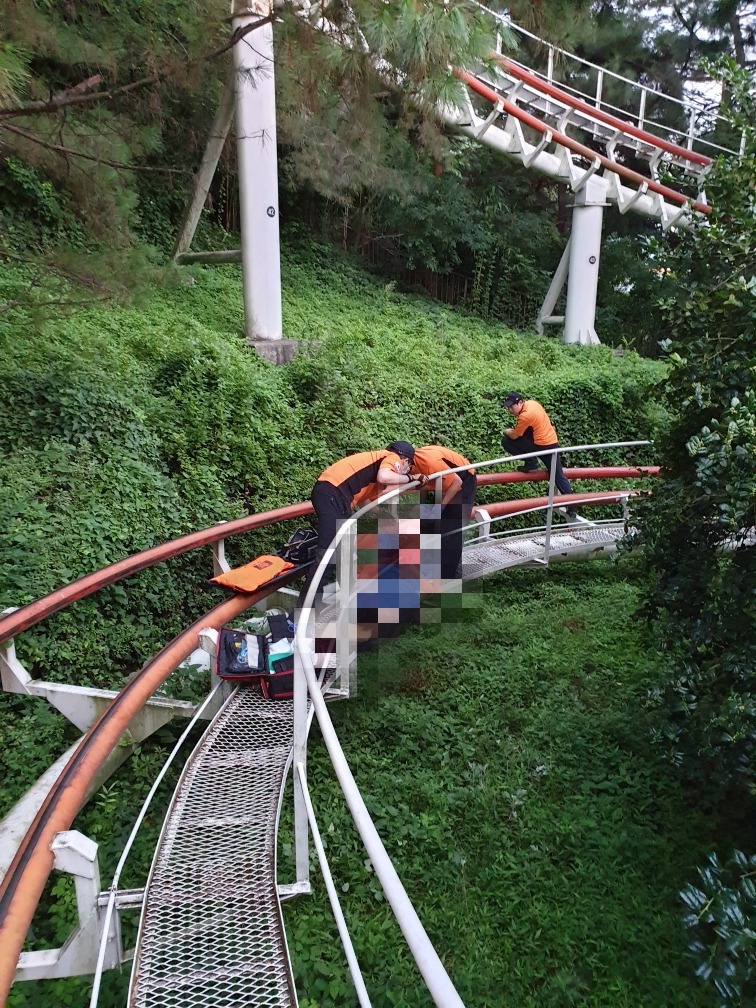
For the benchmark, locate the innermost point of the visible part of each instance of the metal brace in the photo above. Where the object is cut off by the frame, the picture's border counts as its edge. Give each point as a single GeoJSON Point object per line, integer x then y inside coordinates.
{"type": "Point", "coordinates": [626, 203]}
{"type": "Point", "coordinates": [490, 119]}
{"type": "Point", "coordinates": [220, 564]}
{"type": "Point", "coordinates": [76, 854]}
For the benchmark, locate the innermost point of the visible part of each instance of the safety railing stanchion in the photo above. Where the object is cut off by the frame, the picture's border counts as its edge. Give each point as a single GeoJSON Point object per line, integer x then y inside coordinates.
{"type": "Point", "coordinates": [550, 511]}
{"type": "Point", "coordinates": [346, 625]}
{"type": "Point", "coordinates": [299, 756]}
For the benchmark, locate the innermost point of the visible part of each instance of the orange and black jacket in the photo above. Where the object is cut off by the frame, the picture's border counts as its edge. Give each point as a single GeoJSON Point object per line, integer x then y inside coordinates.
{"type": "Point", "coordinates": [356, 476]}
{"type": "Point", "coordinates": [431, 459]}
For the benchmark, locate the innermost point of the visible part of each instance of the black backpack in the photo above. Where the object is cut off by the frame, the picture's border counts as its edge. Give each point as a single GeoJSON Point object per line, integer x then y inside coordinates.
{"type": "Point", "coordinates": [300, 547]}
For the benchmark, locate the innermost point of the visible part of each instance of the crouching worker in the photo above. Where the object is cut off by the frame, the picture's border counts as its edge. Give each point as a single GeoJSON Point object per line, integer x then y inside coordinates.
{"type": "Point", "coordinates": [458, 497]}
{"type": "Point", "coordinates": [533, 430]}
{"type": "Point", "coordinates": [350, 483]}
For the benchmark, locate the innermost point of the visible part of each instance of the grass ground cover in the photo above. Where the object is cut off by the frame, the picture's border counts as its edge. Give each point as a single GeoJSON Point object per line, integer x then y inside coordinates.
{"type": "Point", "coordinates": [507, 762]}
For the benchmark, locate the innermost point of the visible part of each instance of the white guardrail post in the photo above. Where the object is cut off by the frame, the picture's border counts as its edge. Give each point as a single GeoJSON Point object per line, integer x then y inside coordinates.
{"type": "Point", "coordinates": [550, 512]}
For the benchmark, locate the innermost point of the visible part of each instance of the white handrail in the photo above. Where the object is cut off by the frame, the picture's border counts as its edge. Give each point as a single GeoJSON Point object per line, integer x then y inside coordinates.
{"type": "Point", "coordinates": [354, 967]}
{"type": "Point", "coordinates": [113, 889]}
{"type": "Point", "coordinates": [432, 969]}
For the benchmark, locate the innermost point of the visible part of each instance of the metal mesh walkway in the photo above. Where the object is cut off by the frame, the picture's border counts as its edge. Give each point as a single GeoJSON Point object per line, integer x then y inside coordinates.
{"type": "Point", "coordinates": [497, 554]}
{"type": "Point", "coordinates": [211, 932]}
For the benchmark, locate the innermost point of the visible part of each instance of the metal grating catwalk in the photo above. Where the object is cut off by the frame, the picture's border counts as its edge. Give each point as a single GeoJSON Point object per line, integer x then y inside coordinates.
{"type": "Point", "coordinates": [211, 932]}
{"type": "Point", "coordinates": [497, 554]}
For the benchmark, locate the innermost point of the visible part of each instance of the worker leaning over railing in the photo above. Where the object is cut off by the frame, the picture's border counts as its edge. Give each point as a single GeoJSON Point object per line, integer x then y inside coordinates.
{"type": "Point", "coordinates": [349, 483]}
{"type": "Point", "coordinates": [458, 496]}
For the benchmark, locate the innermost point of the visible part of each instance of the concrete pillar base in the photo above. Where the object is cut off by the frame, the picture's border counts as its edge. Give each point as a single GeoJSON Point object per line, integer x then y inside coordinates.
{"type": "Point", "coordinates": [276, 351]}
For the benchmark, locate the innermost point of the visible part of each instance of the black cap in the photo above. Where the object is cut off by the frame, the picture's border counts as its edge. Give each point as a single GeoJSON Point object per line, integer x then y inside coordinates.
{"type": "Point", "coordinates": [511, 398]}
{"type": "Point", "coordinates": [403, 448]}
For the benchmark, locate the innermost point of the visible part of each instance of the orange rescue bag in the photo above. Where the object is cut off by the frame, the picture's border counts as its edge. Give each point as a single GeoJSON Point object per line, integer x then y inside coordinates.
{"type": "Point", "coordinates": [253, 575]}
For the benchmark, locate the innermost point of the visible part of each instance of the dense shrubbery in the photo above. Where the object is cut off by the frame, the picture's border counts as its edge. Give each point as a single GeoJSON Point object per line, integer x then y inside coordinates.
{"type": "Point", "coordinates": [698, 537]}
{"type": "Point", "coordinates": [122, 428]}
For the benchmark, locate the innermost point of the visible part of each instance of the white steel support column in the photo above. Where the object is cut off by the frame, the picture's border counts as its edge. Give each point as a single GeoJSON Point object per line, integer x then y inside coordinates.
{"type": "Point", "coordinates": [585, 254]}
{"type": "Point", "coordinates": [255, 124]}
{"type": "Point", "coordinates": [204, 178]}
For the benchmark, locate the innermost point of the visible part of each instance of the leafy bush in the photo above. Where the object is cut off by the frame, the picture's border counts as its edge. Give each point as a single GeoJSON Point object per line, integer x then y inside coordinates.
{"type": "Point", "coordinates": [721, 922]}
{"type": "Point", "coordinates": [507, 763]}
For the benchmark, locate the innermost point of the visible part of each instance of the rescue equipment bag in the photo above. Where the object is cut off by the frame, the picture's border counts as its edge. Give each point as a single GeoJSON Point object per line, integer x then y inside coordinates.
{"type": "Point", "coordinates": [278, 684]}
{"type": "Point", "coordinates": [240, 656]}
{"type": "Point", "coordinates": [300, 547]}
{"type": "Point", "coordinates": [253, 575]}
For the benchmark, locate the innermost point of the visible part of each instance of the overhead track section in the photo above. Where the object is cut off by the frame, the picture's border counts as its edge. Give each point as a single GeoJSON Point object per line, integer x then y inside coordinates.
{"type": "Point", "coordinates": [654, 114]}
{"type": "Point", "coordinates": [539, 94]}
{"type": "Point", "coordinates": [541, 145]}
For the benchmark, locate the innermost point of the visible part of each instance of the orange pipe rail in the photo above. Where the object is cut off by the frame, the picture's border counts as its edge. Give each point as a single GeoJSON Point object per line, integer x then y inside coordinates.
{"type": "Point", "coordinates": [561, 138]}
{"type": "Point", "coordinates": [25, 879]}
{"type": "Point", "coordinates": [33, 612]}
{"type": "Point", "coordinates": [567, 99]}
{"type": "Point", "coordinates": [27, 615]}
{"type": "Point", "coordinates": [576, 472]}
{"type": "Point", "coordinates": [560, 500]}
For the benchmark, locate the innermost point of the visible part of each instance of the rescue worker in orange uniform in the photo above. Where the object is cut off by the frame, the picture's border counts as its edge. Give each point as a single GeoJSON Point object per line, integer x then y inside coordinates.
{"type": "Point", "coordinates": [533, 430]}
{"type": "Point", "coordinates": [348, 484]}
{"type": "Point", "coordinates": [458, 497]}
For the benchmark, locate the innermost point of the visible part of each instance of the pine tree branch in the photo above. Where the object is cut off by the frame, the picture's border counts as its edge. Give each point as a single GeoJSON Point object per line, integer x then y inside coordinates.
{"type": "Point", "coordinates": [76, 95]}
{"type": "Point", "coordinates": [60, 149]}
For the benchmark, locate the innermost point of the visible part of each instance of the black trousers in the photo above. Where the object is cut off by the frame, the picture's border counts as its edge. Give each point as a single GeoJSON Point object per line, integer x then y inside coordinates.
{"type": "Point", "coordinates": [525, 444]}
{"type": "Point", "coordinates": [454, 517]}
{"type": "Point", "coordinates": [330, 509]}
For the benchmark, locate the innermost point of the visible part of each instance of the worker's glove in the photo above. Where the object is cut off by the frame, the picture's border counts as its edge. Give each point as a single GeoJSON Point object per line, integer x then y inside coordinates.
{"type": "Point", "coordinates": [421, 478]}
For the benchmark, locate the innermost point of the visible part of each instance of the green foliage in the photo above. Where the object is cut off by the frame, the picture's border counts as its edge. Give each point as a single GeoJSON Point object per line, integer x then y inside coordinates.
{"type": "Point", "coordinates": [721, 923]}
{"type": "Point", "coordinates": [507, 764]}
{"type": "Point", "coordinates": [704, 599]}
{"type": "Point", "coordinates": [697, 528]}
{"type": "Point", "coordinates": [125, 427]}
{"type": "Point", "coordinates": [122, 428]}
{"type": "Point", "coordinates": [32, 736]}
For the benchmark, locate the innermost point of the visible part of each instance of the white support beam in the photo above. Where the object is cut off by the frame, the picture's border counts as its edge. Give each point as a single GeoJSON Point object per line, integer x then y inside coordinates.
{"type": "Point", "coordinates": [555, 289]}
{"type": "Point", "coordinates": [255, 125]}
{"type": "Point", "coordinates": [204, 177]}
{"type": "Point", "coordinates": [585, 254]}
{"type": "Point", "coordinates": [13, 675]}
{"type": "Point", "coordinates": [83, 706]}
{"type": "Point", "coordinates": [76, 855]}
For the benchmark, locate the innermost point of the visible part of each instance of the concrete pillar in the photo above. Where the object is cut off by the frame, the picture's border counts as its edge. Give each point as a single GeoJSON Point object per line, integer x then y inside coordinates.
{"type": "Point", "coordinates": [255, 124]}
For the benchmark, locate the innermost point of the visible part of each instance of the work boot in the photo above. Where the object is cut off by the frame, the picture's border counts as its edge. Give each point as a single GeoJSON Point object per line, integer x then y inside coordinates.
{"type": "Point", "coordinates": [526, 469]}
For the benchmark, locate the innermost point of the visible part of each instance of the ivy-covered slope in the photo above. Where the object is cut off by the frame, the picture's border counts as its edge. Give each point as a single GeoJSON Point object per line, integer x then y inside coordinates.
{"type": "Point", "coordinates": [123, 427]}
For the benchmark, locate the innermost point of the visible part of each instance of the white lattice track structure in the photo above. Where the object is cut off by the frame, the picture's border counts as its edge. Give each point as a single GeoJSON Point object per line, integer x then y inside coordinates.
{"type": "Point", "coordinates": [524, 112]}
